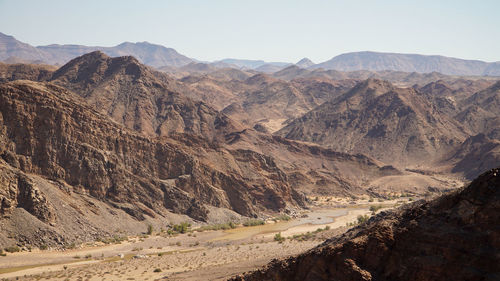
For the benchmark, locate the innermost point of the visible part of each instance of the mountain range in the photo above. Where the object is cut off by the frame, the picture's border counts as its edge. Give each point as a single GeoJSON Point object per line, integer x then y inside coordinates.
{"type": "Point", "coordinates": [160, 56]}
{"type": "Point", "coordinates": [104, 145]}
{"type": "Point", "coordinates": [151, 54]}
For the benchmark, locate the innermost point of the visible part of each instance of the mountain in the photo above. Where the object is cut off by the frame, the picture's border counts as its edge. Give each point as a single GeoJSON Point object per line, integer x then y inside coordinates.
{"type": "Point", "coordinates": [10, 47]}
{"type": "Point", "coordinates": [270, 68]}
{"type": "Point", "coordinates": [406, 79]}
{"type": "Point", "coordinates": [481, 111]}
{"type": "Point", "coordinates": [56, 148]}
{"type": "Point", "coordinates": [138, 97]}
{"type": "Point", "coordinates": [476, 154]}
{"type": "Point", "coordinates": [409, 63]}
{"type": "Point", "coordinates": [250, 64]}
{"type": "Point", "coordinates": [150, 54]}
{"type": "Point", "coordinates": [304, 63]}
{"type": "Point", "coordinates": [394, 125]}
{"type": "Point", "coordinates": [454, 237]}
{"type": "Point", "coordinates": [270, 101]}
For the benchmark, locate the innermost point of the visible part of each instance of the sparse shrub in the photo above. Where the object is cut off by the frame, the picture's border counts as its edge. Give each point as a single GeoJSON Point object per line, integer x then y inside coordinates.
{"type": "Point", "coordinates": [178, 243]}
{"type": "Point", "coordinates": [219, 226]}
{"type": "Point", "coordinates": [157, 270]}
{"type": "Point", "coordinates": [375, 208]}
{"type": "Point", "coordinates": [44, 247]}
{"type": "Point", "coordinates": [160, 254]}
{"type": "Point", "coordinates": [12, 249]}
{"type": "Point", "coordinates": [282, 217]}
{"type": "Point", "coordinates": [150, 229]}
{"type": "Point", "coordinates": [410, 199]}
{"type": "Point", "coordinates": [182, 227]}
{"type": "Point", "coordinates": [362, 219]}
{"type": "Point", "coordinates": [327, 227]}
{"type": "Point", "coordinates": [253, 222]}
{"type": "Point", "coordinates": [370, 200]}
{"type": "Point", "coordinates": [88, 256]}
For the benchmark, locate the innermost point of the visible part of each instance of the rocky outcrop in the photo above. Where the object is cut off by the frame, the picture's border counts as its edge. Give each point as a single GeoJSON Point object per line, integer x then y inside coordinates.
{"type": "Point", "coordinates": [454, 237]}
{"type": "Point", "coordinates": [18, 191]}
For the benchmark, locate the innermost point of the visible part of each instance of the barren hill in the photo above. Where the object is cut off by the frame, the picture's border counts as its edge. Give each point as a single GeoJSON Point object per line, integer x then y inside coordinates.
{"type": "Point", "coordinates": [394, 125]}
{"type": "Point", "coordinates": [134, 95]}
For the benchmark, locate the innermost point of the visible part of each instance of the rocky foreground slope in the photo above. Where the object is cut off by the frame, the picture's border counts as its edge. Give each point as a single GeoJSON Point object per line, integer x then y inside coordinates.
{"type": "Point", "coordinates": [454, 237]}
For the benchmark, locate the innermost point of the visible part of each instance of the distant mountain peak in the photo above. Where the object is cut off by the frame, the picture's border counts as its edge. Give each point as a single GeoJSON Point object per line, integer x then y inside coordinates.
{"type": "Point", "coordinates": [304, 63]}
{"type": "Point", "coordinates": [5, 36]}
{"type": "Point", "coordinates": [378, 61]}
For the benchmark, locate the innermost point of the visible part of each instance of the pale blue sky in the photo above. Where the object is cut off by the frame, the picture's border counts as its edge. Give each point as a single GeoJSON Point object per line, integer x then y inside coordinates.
{"type": "Point", "coordinates": [272, 30]}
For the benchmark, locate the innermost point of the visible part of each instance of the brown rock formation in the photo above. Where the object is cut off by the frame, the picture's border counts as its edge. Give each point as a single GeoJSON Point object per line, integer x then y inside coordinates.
{"type": "Point", "coordinates": [52, 132]}
{"type": "Point", "coordinates": [138, 97]}
{"type": "Point", "coordinates": [454, 237]}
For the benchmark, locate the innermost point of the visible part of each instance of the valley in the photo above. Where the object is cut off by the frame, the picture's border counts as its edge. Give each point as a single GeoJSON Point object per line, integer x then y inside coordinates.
{"type": "Point", "coordinates": [374, 158]}
{"type": "Point", "coordinates": [218, 254]}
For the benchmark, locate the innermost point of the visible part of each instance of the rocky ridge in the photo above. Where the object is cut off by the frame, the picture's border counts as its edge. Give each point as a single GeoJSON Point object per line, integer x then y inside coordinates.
{"type": "Point", "coordinates": [455, 236]}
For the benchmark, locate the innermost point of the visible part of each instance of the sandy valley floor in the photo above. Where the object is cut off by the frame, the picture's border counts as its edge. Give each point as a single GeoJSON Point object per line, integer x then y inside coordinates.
{"type": "Point", "coordinates": [210, 255]}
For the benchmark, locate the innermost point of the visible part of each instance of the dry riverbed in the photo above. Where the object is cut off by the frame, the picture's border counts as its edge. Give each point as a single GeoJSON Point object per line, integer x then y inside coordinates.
{"type": "Point", "coordinates": [210, 255]}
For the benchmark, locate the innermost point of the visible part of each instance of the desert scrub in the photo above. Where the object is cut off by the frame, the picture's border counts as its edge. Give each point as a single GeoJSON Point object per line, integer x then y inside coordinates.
{"type": "Point", "coordinates": [375, 208]}
{"type": "Point", "coordinates": [362, 219]}
{"type": "Point", "coordinates": [157, 270]}
{"type": "Point", "coordinates": [181, 228]}
{"type": "Point", "coordinates": [12, 249]}
{"type": "Point", "coordinates": [279, 238]}
{"type": "Point", "coordinates": [150, 229]}
{"type": "Point", "coordinates": [219, 226]}
{"type": "Point", "coordinates": [302, 237]}
{"type": "Point", "coordinates": [253, 222]}
{"type": "Point", "coordinates": [282, 217]}
{"type": "Point", "coordinates": [112, 240]}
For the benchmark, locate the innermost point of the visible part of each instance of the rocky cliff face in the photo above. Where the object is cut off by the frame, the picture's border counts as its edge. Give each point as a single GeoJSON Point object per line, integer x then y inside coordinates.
{"type": "Point", "coordinates": [50, 131]}
{"type": "Point", "coordinates": [19, 191]}
{"type": "Point", "coordinates": [454, 237]}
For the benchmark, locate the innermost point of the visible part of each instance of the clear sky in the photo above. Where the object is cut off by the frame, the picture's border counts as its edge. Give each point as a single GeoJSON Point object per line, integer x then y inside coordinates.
{"type": "Point", "coordinates": [272, 30]}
